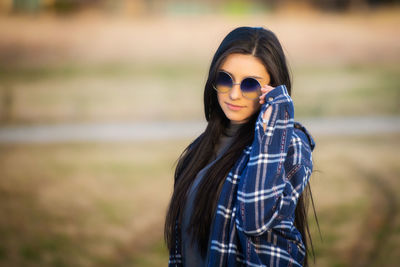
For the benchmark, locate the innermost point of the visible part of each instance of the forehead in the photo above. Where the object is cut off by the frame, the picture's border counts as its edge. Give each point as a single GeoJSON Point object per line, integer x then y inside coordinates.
{"type": "Point", "coordinates": [241, 65]}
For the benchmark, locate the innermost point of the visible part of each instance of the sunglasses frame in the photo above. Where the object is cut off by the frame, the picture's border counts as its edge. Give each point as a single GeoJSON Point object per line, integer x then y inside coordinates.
{"type": "Point", "coordinates": [240, 83]}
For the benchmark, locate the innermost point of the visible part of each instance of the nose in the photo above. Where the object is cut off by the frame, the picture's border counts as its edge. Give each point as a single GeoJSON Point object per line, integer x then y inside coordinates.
{"type": "Point", "coordinates": [235, 92]}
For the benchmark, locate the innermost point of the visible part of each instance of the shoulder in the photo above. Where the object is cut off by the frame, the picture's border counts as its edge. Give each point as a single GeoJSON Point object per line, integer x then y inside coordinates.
{"type": "Point", "coordinates": [300, 147]}
{"type": "Point", "coordinates": [195, 141]}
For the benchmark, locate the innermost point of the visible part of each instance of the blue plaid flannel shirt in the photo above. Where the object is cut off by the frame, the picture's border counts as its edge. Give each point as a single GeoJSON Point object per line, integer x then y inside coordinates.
{"type": "Point", "coordinates": [254, 220]}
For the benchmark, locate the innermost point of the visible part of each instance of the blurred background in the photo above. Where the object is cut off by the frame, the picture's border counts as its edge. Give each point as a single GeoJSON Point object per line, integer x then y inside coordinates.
{"type": "Point", "coordinates": [98, 98]}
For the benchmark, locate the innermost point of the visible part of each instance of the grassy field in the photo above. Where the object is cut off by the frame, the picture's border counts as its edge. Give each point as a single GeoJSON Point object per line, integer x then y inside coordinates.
{"type": "Point", "coordinates": [82, 205]}
{"type": "Point", "coordinates": [104, 204]}
{"type": "Point", "coordinates": [357, 198]}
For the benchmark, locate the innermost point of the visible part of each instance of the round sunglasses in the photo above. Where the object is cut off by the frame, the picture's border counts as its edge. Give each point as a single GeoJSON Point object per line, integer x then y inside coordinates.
{"type": "Point", "coordinates": [250, 87]}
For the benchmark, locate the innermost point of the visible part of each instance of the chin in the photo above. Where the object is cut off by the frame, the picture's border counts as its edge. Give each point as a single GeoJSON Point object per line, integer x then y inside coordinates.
{"type": "Point", "coordinates": [236, 118]}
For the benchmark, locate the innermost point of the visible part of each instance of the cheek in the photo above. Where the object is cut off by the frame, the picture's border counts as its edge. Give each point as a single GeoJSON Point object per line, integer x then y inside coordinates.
{"type": "Point", "coordinates": [255, 106]}
{"type": "Point", "coordinates": [221, 99]}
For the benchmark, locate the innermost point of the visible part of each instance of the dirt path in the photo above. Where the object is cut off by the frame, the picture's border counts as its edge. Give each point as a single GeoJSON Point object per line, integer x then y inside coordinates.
{"type": "Point", "coordinates": [170, 130]}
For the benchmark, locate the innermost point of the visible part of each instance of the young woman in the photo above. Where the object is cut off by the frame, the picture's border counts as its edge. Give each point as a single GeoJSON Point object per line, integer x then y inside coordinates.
{"type": "Point", "coordinates": [238, 192]}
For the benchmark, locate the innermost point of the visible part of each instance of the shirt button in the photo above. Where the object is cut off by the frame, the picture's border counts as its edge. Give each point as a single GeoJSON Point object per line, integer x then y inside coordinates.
{"type": "Point", "coordinates": [270, 98]}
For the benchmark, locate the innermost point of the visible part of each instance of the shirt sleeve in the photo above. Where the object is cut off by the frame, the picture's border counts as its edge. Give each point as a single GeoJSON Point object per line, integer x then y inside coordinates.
{"type": "Point", "coordinates": [271, 183]}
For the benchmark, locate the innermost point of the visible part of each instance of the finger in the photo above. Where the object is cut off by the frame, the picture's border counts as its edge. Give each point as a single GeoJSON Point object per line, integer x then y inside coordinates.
{"type": "Point", "coordinates": [265, 91]}
{"type": "Point", "coordinates": [267, 88]}
{"type": "Point", "coordinates": [262, 97]}
{"type": "Point", "coordinates": [263, 94]}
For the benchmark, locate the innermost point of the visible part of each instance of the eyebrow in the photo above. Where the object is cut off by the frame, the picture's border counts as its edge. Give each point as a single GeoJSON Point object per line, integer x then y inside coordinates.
{"type": "Point", "coordinates": [257, 77]}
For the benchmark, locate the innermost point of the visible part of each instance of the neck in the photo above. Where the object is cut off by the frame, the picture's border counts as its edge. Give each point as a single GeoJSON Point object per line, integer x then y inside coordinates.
{"type": "Point", "coordinates": [232, 128]}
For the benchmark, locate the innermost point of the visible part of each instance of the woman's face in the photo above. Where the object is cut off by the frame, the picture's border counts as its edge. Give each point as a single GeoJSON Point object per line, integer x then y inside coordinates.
{"type": "Point", "coordinates": [240, 66]}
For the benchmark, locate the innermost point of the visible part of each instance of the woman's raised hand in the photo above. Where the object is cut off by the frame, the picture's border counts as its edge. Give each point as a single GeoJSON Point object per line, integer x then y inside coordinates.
{"type": "Point", "coordinates": [267, 114]}
{"type": "Point", "coordinates": [265, 90]}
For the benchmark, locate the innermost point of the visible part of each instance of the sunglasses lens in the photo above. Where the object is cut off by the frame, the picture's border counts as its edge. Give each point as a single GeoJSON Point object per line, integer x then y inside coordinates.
{"type": "Point", "coordinates": [251, 88]}
{"type": "Point", "coordinates": [223, 83]}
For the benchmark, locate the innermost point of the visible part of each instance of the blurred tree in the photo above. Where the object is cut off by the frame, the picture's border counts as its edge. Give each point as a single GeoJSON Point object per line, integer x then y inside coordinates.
{"type": "Point", "coordinates": [181, 6]}
{"type": "Point", "coordinates": [26, 5]}
{"type": "Point", "coordinates": [68, 6]}
{"type": "Point", "coordinates": [342, 5]}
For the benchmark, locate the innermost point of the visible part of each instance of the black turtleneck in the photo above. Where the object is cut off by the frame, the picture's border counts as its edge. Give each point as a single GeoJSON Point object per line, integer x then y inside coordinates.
{"type": "Point", "coordinates": [191, 254]}
{"type": "Point", "coordinates": [226, 138]}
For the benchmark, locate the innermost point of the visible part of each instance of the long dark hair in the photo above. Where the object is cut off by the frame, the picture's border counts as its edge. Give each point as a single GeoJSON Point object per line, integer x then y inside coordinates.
{"type": "Point", "coordinates": [263, 44]}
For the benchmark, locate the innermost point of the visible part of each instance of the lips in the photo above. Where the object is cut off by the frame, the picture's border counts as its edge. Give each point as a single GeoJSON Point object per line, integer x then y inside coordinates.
{"type": "Point", "coordinates": [234, 107]}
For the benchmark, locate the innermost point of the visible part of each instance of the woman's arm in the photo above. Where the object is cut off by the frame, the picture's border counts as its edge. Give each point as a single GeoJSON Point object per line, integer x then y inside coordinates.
{"type": "Point", "coordinates": [266, 193]}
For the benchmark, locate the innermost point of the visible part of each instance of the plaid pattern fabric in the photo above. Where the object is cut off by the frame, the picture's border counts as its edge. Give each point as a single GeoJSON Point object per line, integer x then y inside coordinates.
{"type": "Point", "coordinates": [254, 221]}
